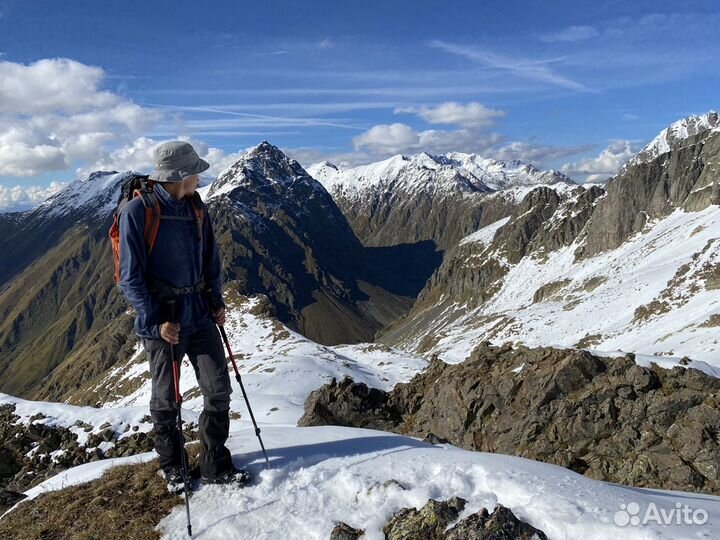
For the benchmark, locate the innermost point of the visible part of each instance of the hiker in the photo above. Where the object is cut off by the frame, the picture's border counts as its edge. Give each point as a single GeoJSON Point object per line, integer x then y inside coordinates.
{"type": "Point", "coordinates": [183, 265]}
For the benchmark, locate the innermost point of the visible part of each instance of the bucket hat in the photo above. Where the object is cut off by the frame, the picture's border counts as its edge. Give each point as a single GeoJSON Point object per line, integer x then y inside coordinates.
{"type": "Point", "coordinates": [175, 160]}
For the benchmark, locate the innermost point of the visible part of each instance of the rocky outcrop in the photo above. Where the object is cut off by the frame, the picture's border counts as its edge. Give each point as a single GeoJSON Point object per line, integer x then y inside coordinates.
{"type": "Point", "coordinates": [343, 531]}
{"type": "Point", "coordinates": [32, 452]}
{"type": "Point", "coordinates": [428, 522]}
{"type": "Point", "coordinates": [432, 520]}
{"type": "Point", "coordinates": [609, 419]}
{"type": "Point", "coordinates": [349, 404]}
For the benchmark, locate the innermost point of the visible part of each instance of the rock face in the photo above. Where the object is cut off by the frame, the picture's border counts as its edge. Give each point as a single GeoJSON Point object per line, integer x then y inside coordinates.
{"type": "Point", "coordinates": [502, 524]}
{"type": "Point", "coordinates": [430, 522]}
{"type": "Point", "coordinates": [682, 173]}
{"type": "Point", "coordinates": [350, 404]}
{"type": "Point", "coordinates": [609, 419]}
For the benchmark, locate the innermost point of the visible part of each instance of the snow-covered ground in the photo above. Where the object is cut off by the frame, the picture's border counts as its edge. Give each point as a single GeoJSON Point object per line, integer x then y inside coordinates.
{"type": "Point", "coordinates": [663, 268]}
{"type": "Point", "coordinates": [323, 475]}
{"type": "Point", "coordinates": [279, 368]}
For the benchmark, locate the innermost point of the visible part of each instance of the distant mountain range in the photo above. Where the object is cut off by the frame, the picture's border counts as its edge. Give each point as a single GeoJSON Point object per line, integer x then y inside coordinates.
{"type": "Point", "coordinates": [431, 253]}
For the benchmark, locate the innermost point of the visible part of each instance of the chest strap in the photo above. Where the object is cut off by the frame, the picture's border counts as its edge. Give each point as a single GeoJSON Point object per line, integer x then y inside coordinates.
{"type": "Point", "coordinates": [164, 291]}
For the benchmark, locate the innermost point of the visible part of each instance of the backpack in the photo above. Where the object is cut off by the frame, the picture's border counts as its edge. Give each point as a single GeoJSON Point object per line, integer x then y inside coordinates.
{"type": "Point", "coordinates": [137, 185]}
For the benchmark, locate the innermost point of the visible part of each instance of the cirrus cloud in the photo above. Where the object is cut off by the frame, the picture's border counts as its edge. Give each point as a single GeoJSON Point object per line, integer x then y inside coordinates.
{"type": "Point", "coordinates": [571, 34]}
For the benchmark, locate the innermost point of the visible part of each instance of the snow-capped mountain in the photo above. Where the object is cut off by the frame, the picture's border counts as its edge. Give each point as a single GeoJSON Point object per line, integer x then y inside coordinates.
{"type": "Point", "coordinates": [280, 234]}
{"type": "Point", "coordinates": [427, 173]}
{"type": "Point", "coordinates": [285, 237]}
{"type": "Point", "coordinates": [263, 167]}
{"type": "Point", "coordinates": [420, 173]}
{"type": "Point", "coordinates": [93, 197]}
{"type": "Point", "coordinates": [672, 136]}
{"type": "Point", "coordinates": [499, 174]}
{"type": "Point", "coordinates": [426, 198]}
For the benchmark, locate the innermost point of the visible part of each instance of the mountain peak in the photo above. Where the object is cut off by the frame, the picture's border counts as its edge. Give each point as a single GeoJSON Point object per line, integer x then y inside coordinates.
{"type": "Point", "coordinates": [95, 195]}
{"type": "Point", "coordinates": [328, 165]}
{"type": "Point", "coordinates": [265, 164]}
{"type": "Point", "coordinates": [675, 134]}
{"type": "Point", "coordinates": [266, 151]}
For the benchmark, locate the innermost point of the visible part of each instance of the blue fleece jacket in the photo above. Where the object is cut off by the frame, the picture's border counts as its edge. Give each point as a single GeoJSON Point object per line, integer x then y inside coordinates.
{"type": "Point", "coordinates": [176, 258]}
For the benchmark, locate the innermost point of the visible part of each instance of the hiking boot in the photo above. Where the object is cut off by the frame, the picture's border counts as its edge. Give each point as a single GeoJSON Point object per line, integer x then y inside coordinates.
{"type": "Point", "coordinates": [236, 477]}
{"type": "Point", "coordinates": [174, 478]}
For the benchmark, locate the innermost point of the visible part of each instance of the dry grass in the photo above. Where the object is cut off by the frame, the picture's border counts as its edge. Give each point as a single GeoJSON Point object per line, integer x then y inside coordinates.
{"type": "Point", "coordinates": [126, 503]}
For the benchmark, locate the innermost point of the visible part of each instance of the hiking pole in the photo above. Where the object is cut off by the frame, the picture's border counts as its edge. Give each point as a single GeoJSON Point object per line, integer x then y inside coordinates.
{"type": "Point", "coordinates": [178, 405]}
{"type": "Point", "coordinates": [213, 306]}
{"type": "Point", "coordinates": [247, 402]}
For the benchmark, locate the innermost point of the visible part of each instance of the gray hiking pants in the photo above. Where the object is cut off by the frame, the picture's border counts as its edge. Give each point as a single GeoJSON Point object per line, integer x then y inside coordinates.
{"type": "Point", "coordinates": [207, 356]}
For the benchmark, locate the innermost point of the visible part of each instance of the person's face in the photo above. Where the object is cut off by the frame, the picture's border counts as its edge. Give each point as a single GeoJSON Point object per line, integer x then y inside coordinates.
{"type": "Point", "coordinates": [189, 185]}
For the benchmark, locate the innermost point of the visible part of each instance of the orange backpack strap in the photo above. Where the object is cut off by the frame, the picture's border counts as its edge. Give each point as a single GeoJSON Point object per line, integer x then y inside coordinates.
{"type": "Point", "coordinates": [152, 216]}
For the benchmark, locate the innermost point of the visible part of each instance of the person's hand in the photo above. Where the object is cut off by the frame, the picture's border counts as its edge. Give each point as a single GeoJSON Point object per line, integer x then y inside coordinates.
{"type": "Point", "coordinates": [219, 316]}
{"type": "Point", "coordinates": [170, 332]}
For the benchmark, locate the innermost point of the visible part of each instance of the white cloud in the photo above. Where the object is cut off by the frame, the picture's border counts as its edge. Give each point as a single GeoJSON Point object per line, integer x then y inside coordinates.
{"type": "Point", "coordinates": [533, 153]}
{"type": "Point", "coordinates": [571, 34]}
{"type": "Point", "coordinates": [24, 197]}
{"type": "Point", "coordinates": [384, 140]}
{"type": "Point", "coordinates": [606, 164]}
{"type": "Point", "coordinates": [53, 113]}
{"type": "Point", "coordinates": [470, 115]}
{"type": "Point", "coordinates": [56, 84]}
{"type": "Point", "coordinates": [387, 139]}
{"type": "Point", "coordinates": [326, 43]}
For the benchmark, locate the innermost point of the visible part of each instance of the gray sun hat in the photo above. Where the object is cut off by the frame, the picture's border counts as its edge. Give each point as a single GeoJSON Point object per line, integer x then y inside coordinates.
{"type": "Point", "coordinates": [175, 160]}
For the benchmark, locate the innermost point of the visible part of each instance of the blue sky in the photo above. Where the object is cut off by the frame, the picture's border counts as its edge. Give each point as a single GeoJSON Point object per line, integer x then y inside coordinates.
{"type": "Point", "coordinates": [571, 85]}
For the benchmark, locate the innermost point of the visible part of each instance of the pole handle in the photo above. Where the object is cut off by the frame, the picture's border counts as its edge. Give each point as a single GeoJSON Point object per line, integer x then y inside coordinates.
{"type": "Point", "coordinates": [172, 310]}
